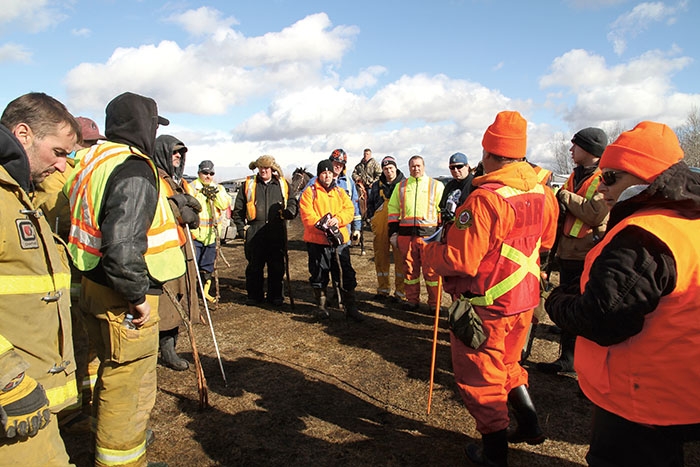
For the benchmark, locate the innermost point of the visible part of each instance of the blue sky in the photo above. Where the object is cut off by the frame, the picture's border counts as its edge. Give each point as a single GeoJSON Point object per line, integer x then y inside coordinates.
{"type": "Point", "coordinates": [296, 79]}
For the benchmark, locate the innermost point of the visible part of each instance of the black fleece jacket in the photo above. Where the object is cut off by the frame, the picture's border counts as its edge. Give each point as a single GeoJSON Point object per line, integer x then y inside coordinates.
{"type": "Point", "coordinates": [633, 271]}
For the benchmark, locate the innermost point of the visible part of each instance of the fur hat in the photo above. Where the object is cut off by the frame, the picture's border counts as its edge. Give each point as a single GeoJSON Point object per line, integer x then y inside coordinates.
{"type": "Point", "coordinates": [592, 140]}
{"type": "Point", "coordinates": [507, 135]}
{"type": "Point", "coordinates": [645, 151]}
{"type": "Point", "coordinates": [266, 161]}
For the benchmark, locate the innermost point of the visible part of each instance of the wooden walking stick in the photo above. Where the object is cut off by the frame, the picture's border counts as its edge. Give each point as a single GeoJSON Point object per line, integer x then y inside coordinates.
{"type": "Point", "coordinates": [201, 379]}
{"type": "Point", "coordinates": [435, 334]}
{"type": "Point", "coordinates": [286, 264]}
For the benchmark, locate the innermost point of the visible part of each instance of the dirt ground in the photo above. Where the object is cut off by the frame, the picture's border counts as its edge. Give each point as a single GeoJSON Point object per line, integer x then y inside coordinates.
{"type": "Point", "coordinates": [337, 393]}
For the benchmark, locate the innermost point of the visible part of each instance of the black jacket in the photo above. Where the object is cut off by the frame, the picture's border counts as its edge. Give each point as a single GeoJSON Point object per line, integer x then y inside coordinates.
{"type": "Point", "coordinates": [129, 202]}
{"type": "Point", "coordinates": [374, 201]}
{"type": "Point", "coordinates": [14, 159]}
{"type": "Point", "coordinates": [269, 210]}
{"type": "Point", "coordinates": [633, 271]}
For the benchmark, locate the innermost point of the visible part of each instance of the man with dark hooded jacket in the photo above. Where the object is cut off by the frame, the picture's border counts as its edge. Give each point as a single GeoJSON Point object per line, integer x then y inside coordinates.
{"type": "Point", "coordinates": [124, 238]}
{"type": "Point", "coordinates": [37, 365]}
{"type": "Point", "coordinates": [635, 310]}
{"type": "Point", "coordinates": [169, 156]}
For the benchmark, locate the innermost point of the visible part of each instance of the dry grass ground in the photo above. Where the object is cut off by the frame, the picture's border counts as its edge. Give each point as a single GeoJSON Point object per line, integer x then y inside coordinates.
{"type": "Point", "coordinates": [337, 393]}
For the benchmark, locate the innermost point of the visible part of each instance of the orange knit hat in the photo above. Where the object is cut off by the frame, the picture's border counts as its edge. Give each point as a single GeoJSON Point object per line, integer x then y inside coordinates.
{"type": "Point", "coordinates": [507, 135]}
{"type": "Point", "coordinates": [645, 151]}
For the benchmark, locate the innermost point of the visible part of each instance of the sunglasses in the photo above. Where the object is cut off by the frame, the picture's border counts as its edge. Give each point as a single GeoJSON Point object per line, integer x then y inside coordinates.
{"type": "Point", "coordinates": [458, 167]}
{"type": "Point", "coordinates": [610, 177]}
{"type": "Point", "coordinates": [204, 172]}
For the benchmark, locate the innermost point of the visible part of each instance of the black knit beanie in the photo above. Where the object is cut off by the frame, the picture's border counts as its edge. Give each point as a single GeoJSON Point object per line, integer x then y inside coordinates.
{"type": "Point", "coordinates": [591, 140]}
{"type": "Point", "coordinates": [323, 166]}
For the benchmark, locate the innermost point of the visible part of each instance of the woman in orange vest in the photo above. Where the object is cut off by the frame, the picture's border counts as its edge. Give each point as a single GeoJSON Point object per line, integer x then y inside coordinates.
{"type": "Point", "coordinates": [635, 311]}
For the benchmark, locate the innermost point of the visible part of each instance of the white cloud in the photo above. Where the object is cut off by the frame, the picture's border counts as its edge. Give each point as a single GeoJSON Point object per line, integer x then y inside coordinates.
{"type": "Point", "coordinates": [365, 79]}
{"type": "Point", "coordinates": [224, 70]}
{"type": "Point", "coordinates": [638, 20]}
{"type": "Point", "coordinates": [31, 15]}
{"type": "Point", "coordinates": [203, 21]}
{"type": "Point", "coordinates": [640, 89]}
{"type": "Point", "coordinates": [14, 53]}
{"type": "Point", "coordinates": [82, 32]}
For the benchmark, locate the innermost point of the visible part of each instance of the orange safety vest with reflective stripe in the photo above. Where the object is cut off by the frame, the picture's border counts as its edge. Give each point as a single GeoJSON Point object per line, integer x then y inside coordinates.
{"type": "Point", "coordinates": [35, 320]}
{"type": "Point", "coordinates": [85, 190]}
{"type": "Point", "coordinates": [543, 175]}
{"type": "Point", "coordinates": [249, 190]}
{"type": "Point", "coordinates": [507, 280]}
{"type": "Point", "coordinates": [651, 377]}
{"type": "Point", "coordinates": [573, 226]}
{"type": "Point", "coordinates": [414, 203]}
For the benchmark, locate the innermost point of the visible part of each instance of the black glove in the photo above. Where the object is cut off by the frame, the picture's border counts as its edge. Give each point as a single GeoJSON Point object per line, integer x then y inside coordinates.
{"type": "Point", "coordinates": [193, 203]}
{"type": "Point", "coordinates": [24, 409]}
{"type": "Point", "coordinates": [190, 217]}
{"type": "Point", "coordinates": [210, 191]}
{"type": "Point", "coordinates": [290, 212]}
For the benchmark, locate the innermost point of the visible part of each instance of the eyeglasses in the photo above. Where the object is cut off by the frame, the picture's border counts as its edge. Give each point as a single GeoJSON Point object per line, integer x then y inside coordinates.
{"type": "Point", "coordinates": [610, 177]}
{"type": "Point", "coordinates": [458, 167]}
{"type": "Point", "coordinates": [204, 172]}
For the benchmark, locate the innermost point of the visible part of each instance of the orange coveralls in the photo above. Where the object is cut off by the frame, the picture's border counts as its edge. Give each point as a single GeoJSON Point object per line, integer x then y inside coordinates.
{"type": "Point", "coordinates": [466, 260]}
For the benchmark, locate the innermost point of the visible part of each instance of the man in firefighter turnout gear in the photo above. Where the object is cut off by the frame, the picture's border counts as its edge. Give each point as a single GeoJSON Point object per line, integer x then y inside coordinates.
{"type": "Point", "coordinates": [37, 366]}
{"type": "Point", "coordinates": [169, 157]}
{"type": "Point", "coordinates": [490, 259]}
{"type": "Point", "coordinates": [124, 239]}
{"type": "Point", "coordinates": [378, 213]}
{"type": "Point", "coordinates": [264, 204]}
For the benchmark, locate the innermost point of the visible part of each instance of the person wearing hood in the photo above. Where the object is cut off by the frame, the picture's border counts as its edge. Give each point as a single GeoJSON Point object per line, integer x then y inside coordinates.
{"type": "Point", "coordinates": [37, 364]}
{"type": "Point", "coordinates": [169, 157]}
{"type": "Point", "coordinates": [377, 211]}
{"type": "Point", "coordinates": [635, 310]}
{"type": "Point", "coordinates": [264, 204]}
{"type": "Point", "coordinates": [326, 210]}
{"type": "Point", "coordinates": [496, 237]}
{"type": "Point", "coordinates": [124, 239]}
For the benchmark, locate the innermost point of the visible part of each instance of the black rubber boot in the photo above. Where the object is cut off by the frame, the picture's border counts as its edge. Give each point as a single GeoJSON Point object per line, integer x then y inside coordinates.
{"type": "Point", "coordinates": [494, 452]}
{"type": "Point", "coordinates": [528, 428]}
{"type": "Point", "coordinates": [565, 362]}
{"type": "Point", "coordinates": [350, 305]}
{"type": "Point", "coordinates": [321, 312]}
{"type": "Point", "coordinates": [168, 356]}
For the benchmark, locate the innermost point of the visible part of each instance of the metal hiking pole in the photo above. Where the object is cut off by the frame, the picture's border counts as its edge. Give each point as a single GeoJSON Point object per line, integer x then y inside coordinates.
{"type": "Point", "coordinates": [206, 308]}
{"type": "Point", "coordinates": [435, 335]}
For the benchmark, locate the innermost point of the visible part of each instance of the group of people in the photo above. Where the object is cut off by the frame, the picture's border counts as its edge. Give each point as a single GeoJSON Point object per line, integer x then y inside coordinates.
{"type": "Point", "coordinates": [96, 229]}
{"type": "Point", "coordinates": [140, 239]}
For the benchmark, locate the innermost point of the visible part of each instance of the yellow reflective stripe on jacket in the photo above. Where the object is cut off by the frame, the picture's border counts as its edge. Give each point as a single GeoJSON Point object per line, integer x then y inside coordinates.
{"type": "Point", "coordinates": [5, 345]}
{"type": "Point", "coordinates": [106, 456]}
{"type": "Point", "coordinates": [573, 226]}
{"type": "Point", "coordinates": [59, 395]}
{"type": "Point", "coordinates": [24, 285]}
{"type": "Point", "coordinates": [249, 191]}
{"type": "Point", "coordinates": [528, 264]}
{"type": "Point", "coordinates": [85, 189]}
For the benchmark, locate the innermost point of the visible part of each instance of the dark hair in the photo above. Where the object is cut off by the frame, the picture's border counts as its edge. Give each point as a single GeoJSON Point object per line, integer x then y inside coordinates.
{"type": "Point", "coordinates": [503, 159]}
{"type": "Point", "coordinates": [41, 112]}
